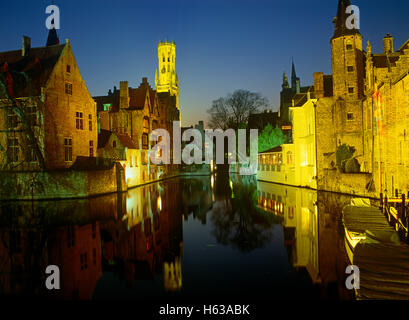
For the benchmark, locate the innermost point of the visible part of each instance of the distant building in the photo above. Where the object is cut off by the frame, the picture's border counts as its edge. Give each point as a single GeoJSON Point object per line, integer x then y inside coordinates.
{"type": "Point", "coordinates": [287, 94]}
{"type": "Point", "coordinates": [260, 120]}
{"type": "Point", "coordinates": [55, 103]}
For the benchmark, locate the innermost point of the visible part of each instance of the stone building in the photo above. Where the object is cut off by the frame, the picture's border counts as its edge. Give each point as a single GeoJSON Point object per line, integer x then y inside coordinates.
{"type": "Point", "coordinates": [386, 117]}
{"type": "Point", "coordinates": [47, 115]}
{"type": "Point", "coordinates": [339, 108]}
{"type": "Point", "coordinates": [131, 114]}
{"type": "Point", "coordinates": [368, 110]}
{"type": "Point", "coordinates": [134, 113]}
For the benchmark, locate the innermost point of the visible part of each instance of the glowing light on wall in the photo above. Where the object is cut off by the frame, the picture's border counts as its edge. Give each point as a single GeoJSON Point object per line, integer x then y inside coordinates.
{"type": "Point", "coordinates": [160, 203]}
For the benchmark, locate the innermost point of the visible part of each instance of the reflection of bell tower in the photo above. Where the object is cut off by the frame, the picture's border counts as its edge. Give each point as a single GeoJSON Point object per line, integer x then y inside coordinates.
{"type": "Point", "coordinates": [166, 78]}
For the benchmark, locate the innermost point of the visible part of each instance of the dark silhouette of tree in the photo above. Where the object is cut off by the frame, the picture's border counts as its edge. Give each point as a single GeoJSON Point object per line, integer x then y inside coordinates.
{"type": "Point", "coordinates": [240, 223]}
{"type": "Point", "coordinates": [234, 110]}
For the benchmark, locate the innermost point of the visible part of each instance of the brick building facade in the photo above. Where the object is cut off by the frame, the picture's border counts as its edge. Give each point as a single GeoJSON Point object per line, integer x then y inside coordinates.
{"type": "Point", "coordinates": [46, 110]}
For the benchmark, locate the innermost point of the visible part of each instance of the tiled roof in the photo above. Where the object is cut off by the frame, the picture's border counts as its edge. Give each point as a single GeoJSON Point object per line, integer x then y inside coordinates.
{"type": "Point", "coordinates": [112, 99]}
{"type": "Point", "coordinates": [126, 141]}
{"type": "Point", "coordinates": [137, 98]}
{"type": "Point", "coordinates": [384, 61]}
{"type": "Point", "coordinates": [103, 138]}
{"type": "Point", "coordinates": [30, 72]}
{"type": "Point", "coordinates": [276, 149]}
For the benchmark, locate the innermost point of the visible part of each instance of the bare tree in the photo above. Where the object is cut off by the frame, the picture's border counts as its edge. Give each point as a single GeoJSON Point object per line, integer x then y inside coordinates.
{"type": "Point", "coordinates": [234, 110]}
{"type": "Point", "coordinates": [21, 119]}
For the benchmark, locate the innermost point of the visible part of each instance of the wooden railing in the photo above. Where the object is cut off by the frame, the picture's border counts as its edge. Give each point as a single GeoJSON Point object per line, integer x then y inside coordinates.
{"type": "Point", "coordinates": [396, 211]}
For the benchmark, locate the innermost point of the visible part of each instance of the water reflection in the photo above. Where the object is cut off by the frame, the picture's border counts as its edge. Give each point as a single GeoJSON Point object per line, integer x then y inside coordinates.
{"type": "Point", "coordinates": [193, 236]}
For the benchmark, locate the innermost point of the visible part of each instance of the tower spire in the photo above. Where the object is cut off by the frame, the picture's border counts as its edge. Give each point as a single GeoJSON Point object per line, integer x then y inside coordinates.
{"type": "Point", "coordinates": [293, 74]}
{"type": "Point", "coordinates": [52, 37]}
{"type": "Point", "coordinates": [340, 20]}
{"type": "Point", "coordinates": [285, 82]}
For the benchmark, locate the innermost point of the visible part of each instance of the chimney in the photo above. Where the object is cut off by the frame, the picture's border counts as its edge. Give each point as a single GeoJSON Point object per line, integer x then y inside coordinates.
{"type": "Point", "coordinates": [144, 80]}
{"type": "Point", "coordinates": [319, 84]}
{"type": "Point", "coordinates": [388, 44]}
{"type": "Point", "coordinates": [123, 94]}
{"type": "Point", "coordinates": [26, 45]}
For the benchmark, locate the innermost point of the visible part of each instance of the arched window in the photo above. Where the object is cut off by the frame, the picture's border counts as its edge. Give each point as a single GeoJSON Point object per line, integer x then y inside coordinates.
{"type": "Point", "coordinates": [289, 157]}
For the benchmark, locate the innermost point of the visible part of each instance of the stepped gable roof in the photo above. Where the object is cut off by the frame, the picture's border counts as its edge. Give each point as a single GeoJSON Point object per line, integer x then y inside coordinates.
{"type": "Point", "coordinates": [30, 72]}
{"type": "Point", "coordinates": [404, 46]}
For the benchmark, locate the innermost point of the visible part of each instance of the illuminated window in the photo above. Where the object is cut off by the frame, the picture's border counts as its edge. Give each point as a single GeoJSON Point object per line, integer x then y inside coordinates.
{"type": "Point", "coordinates": [107, 106]}
{"type": "Point", "coordinates": [146, 123]}
{"type": "Point", "coordinates": [12, 150]}
{"type": "Point", "coordinates": [145, 141]}
{"type": "Point", "coordinates": [68, 149]}
{"type": "Point", "coordinates": [79, 124]}
{"type": "Point", "coordinates": [91, 148]}
{"type": "Point", "coordinates": [289, 157]}
{"type": "Point", "coordinates": [90, 122]}
{"type": "Point", "coordinates": [68, 88]}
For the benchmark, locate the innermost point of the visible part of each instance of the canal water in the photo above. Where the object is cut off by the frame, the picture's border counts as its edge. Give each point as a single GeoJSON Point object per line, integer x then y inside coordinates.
{"type": "Point", "coordinates": [184, 238]}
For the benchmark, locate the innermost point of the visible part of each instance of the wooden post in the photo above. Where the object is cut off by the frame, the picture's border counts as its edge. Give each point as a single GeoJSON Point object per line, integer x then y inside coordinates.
{"type": "Point", "coordinates": [386, 205]}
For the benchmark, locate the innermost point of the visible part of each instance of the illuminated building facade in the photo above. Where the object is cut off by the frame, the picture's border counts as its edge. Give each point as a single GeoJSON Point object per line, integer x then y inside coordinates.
{"type": "Point", "coordinates": [47, 83]}
{"type": "Point", "coordinates": [166, 77]}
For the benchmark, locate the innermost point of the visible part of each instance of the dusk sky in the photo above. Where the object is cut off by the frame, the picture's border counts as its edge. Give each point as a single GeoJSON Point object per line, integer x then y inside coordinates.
{"type": "Point", "coordinates": [221, 45]}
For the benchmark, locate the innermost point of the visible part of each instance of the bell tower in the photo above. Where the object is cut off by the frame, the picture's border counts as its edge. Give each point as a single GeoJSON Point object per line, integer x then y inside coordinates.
{"type": "Point", "coordinates": [166, 78]}
{"type": "Point", "coordinates": [347, 57]}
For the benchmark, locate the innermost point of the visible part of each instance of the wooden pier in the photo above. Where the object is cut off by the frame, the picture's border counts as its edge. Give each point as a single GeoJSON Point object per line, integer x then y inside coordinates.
{"type": "Point", "coordinates": [376, 238]}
